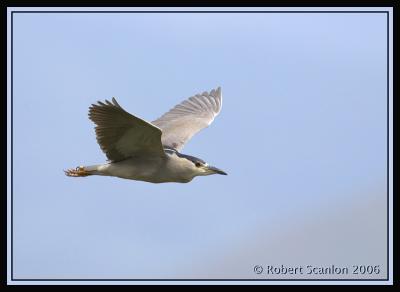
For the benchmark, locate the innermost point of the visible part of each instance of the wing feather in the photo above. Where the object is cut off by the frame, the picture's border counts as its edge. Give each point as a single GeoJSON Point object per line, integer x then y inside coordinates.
{"type": "Point", "coordinates": [189, 117]}
{"type": "Point", "coordinates": [122, 135]}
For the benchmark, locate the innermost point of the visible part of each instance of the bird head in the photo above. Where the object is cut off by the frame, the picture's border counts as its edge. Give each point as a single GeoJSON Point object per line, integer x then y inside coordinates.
{"type": "Point", "coordinates": [199, 166]}
{"type": "Point", "coordinates": [205, 169]}
{"type": "Point", "coordinates": [192, 166]}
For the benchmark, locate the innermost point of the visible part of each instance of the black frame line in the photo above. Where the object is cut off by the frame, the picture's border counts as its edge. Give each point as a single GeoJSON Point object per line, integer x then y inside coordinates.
{"type": "Point", "coordinates": [212, 280]}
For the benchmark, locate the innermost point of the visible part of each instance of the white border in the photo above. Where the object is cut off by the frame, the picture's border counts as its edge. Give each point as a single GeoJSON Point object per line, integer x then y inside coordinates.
{"type": "Point", "coordinates": [182, 282]}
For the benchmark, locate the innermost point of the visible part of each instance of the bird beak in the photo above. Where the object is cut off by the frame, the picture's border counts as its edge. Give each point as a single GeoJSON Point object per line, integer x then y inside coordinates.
{"type": "Point", "coordinates": [216, 170]}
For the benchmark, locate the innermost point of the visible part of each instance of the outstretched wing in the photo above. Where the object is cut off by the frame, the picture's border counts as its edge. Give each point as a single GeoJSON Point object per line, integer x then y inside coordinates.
{"type": "Point", "coordinates": [189, 117]}
{"type": "Point", "coordinates": [122, 135]}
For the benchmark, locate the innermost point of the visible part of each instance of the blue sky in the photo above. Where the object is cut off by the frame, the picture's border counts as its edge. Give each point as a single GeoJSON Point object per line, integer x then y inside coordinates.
{"type": "Point", "coordinates": [302, 135]}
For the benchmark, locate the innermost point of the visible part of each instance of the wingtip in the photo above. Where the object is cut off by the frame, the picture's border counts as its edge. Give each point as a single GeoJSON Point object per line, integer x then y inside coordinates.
{"type": "Point", "coordinates": [105, 102]}
{"type": "Point", "coordinates": [218, 91]}
{"type": "Point", "coordinates": [115, 102]}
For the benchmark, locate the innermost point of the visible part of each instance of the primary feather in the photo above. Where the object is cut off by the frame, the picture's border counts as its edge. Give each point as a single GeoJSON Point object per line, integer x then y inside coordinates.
{"type": "Point", "coordinates": [122, 135]}
{"type": "Point", "coordinates": [189, 117]}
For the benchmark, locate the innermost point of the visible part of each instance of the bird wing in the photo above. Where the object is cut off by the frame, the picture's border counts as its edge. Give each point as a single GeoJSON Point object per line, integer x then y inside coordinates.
{"type": "Point", "coordinates": [189, 117]}
{"type": "Point", "coordinates": [122, 135]}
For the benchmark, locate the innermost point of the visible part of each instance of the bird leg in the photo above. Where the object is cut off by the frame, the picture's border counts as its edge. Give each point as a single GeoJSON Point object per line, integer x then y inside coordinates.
{"type": "Point", "coordinates": [77, 172]}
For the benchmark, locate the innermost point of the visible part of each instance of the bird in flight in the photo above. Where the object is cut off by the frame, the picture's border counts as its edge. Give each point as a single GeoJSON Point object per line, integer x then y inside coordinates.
{"type": "Point", "coordinates": [150, 152]}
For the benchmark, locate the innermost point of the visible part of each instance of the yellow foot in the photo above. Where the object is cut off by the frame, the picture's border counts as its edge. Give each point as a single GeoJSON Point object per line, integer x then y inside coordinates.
{"type": "Point", "coordinates": [77, 172]}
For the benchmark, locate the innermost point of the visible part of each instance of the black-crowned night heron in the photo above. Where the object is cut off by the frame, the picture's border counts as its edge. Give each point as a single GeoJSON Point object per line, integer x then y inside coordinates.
{"type": "Point", "coordinates": [145, 151]}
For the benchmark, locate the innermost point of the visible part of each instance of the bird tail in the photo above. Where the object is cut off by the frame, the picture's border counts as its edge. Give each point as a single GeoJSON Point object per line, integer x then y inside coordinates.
{"type": "Point", "coordinates": [81, 171]}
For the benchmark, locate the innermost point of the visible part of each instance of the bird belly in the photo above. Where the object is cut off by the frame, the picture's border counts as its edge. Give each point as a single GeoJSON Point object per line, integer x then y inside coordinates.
{"type": "Point", "coordinates": [148, 170]}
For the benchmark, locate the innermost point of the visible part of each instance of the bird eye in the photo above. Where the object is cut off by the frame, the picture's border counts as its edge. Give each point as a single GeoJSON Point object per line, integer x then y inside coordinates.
{"type": "Point", "coordinates": [198, 164]}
